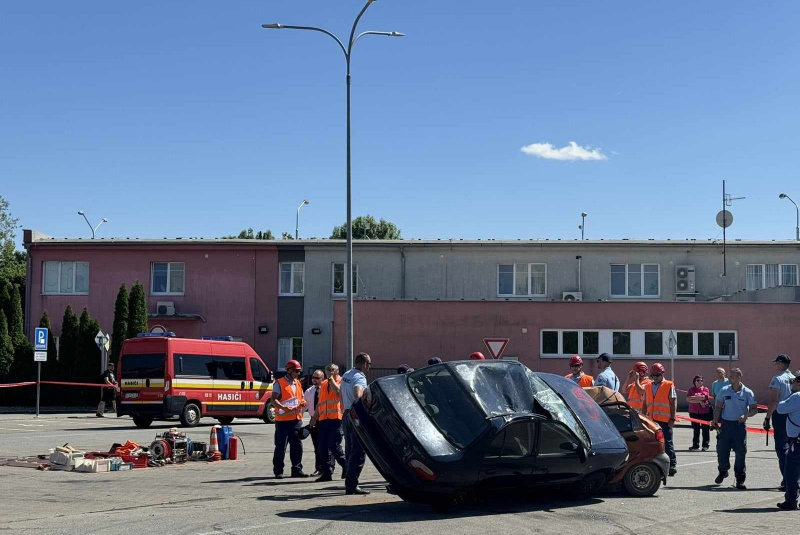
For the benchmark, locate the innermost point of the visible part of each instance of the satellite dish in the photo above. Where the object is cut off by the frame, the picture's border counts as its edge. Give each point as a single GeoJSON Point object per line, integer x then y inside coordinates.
{"type": "Point", "coordinates": [724, 219]}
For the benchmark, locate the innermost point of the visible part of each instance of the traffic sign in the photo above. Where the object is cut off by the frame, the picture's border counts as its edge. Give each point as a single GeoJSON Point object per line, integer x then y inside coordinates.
{"type": "Point", "coordinates": [40, 356]}
{"type": "Point", "coordinates": [40, 339]}
{"type": "Point", "coordinates": [101, 340]}
{"type": "Point", "coordinates": [496, 346]}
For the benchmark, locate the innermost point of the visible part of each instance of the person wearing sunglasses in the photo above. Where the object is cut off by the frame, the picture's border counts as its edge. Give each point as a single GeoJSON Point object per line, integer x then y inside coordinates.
{"type": "Point", "coordinates": [734, 404]}
{"type": "Point", "coordinates": [699, 398]}
{"type": "Point", "coordinates": [790, 407]}
{"type": "Point", "coordinates": [289, 403]}
{"type": "Point", "coordinates": [780, 388]}
{"type": "Point", "coordinates": [661, 404]}
{"type": "Point", "coordinates": [577, 375]}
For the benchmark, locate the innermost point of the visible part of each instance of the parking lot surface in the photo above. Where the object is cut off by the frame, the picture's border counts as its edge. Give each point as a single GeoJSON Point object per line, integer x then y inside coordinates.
{"type": "Point", "coordinates": [242, 496]}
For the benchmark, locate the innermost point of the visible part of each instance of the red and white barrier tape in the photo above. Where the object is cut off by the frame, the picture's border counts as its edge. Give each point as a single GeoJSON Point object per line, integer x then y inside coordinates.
{"type": "Point", "coordinates": [63, 383]}
{"type": "Point", "coordinates": [12, 385]}
{"type": "Point", "coordinates": [757, 430]}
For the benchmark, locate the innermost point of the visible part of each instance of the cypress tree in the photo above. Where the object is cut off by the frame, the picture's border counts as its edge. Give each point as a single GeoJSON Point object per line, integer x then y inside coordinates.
{"type": "Point", "coordinates": [137, 311]}
{"type": "Point", "coordinates": [6, 347]}
{"type": "Point", "coordinates": [5, 300]}
{"type": "Point", "coordinates": [50, 368]}
{"type": "Point", "coordinates": [68, 344]}
{"type": "Point", "coordinates": [15, 320]}
{"type": "Point", "coordinates": [120, 323]}
{"type": "Point", "coordinates": [88, 357]}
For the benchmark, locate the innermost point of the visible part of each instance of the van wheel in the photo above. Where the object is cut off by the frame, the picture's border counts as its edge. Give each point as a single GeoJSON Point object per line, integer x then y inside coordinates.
{"type": "Point", "coordinates": [642, 480]}
{"type": "Point", "coordinates": [269, 414]}
{"type": "Point", "coordinates": [225, 420]}
{"type": "Point", "coordinates": [190, 416]}
{"type": "Point", "coordinates": [142, 421]}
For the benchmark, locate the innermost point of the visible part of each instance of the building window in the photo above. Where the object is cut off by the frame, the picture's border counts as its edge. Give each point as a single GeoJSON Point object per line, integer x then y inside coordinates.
{"type": "Point", "coordinates": [727, 344]}
{"type": "Point", "coordinates": [760, 276]}
{"type": "Point", "coordinates": [291, 278]}
{"type": "Point", "coordinates": [705, 344]}
{"type": "Point", "coordinates": [622, 343]}
{"type": "Point", "coordinates": [522, 280]}
{"type": "Point", "coordinates": [653, 343]}
{"type": "Point", "coordinates": [635, 280]}
{"type": "Point", "coordinates": [569, 342]}
{"type": "Point", "coordinates": [65, 278]}
{"type": "Point", "coordinates": [685, 344]}
{"type": "Point", "coordinates": [289, 349]}
{"type": "Point", "coordinates": [550, 343]}
{"type": "Point", "coordinates": [167, 278]}
{"type": "Point", "coordinates": [338, 287]}
{"type": "Point", "coordinates": [591, 343]}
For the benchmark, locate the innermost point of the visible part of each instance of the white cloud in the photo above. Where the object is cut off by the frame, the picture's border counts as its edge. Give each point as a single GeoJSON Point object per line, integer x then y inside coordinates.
{"type": "Point", "coordinates": [572, 151]}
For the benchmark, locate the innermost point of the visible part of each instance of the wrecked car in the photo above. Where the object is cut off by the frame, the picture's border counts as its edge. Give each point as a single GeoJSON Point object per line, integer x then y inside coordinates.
{"type": "Point", "coordinates": [449, 432]}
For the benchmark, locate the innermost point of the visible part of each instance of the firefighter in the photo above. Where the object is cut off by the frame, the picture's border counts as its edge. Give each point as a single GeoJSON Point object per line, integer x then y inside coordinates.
{"type": "Point", "coordinates": [661, 404]}
{"type": "Point", "coordinates": [734, 404]}
{"type": "Point", "coordinates": [328, 419]}
{"type": "Point", "coordinates": [790, 407]}
{"type": "Point", "coordinates": [288, 400]}
{"type": "Point", "coordinates": [780, 388]}
{"type": "Point", "coordinates": [635, 384]}
{"type": "Point", "coordinates": [577, 375]}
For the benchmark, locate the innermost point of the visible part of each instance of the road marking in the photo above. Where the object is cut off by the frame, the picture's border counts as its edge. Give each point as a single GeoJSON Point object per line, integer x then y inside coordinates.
{"type": "Point", "coordinates": [695, 464]}
{"type": "Point", "coordinates": [259, 526]}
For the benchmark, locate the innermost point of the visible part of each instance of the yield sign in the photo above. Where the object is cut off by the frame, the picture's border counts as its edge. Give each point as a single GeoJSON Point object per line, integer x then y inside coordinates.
{"type": "Point", "coordinates": [496, 346]}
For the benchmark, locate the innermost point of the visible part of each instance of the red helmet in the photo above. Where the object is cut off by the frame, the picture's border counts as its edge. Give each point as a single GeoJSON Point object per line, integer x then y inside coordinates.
{"type": "Point", "coordinates": [657, 368]}
{"type": "Point", "coordinates": [575, 361]}
{"type": "Point", "coordinates": [477, 356]}
{"type": "Point", "coordinates": [640, 367]}
{"type": "Point", "coordinates": [293, 365]}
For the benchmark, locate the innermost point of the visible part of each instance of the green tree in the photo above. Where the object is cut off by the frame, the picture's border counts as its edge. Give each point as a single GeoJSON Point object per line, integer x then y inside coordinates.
{"type": "Point", "coordinates": [6, 347]}
{"type": "Point", "coordinates": [88, 360]}
{"type": "Point", "coordinates": [120, 323]}
{"type": "Point", "coordinates": [367, 228]}
{"type": "Point", "coordinates": [286, 236]}
{"type": "Point", "coordinates": [12, 262]}
{"type": "Point", "coordinates": [248, 234]}
{"type": "Point", "coordinates": [50, 368]}
{"type": "Point", "coordinates": [68, 344]}
{"type": "Point", "coordinates": [15, 320]}
{"type": "Point", "coordinates": [137, 311]}
{"type": "Point", "coordinates": [8, 224]}
{"type": "Point", "coordinates": [5, 300]}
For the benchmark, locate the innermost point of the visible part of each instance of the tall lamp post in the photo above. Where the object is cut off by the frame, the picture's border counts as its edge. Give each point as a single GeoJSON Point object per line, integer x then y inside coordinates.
{"type": "Point", "coordinates": [797, 210]}
{"type": "Point", "coordinates": [582, 226]}
{"type": "Point", "coordinates": [297, 220]}
{"type": "Point", "coordinates": [94, 229]}
{"type": "Point", "coordinates": [348, 51]}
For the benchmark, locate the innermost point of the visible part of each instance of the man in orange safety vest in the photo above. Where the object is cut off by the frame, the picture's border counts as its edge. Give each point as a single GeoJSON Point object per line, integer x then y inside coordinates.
{"type": "Point", "coordinates": [661, 405]}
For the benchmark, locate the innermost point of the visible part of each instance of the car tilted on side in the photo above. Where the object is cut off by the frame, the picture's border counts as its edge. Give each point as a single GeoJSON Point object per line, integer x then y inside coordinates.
{"type": "Point", "coordinates": [450, 431]}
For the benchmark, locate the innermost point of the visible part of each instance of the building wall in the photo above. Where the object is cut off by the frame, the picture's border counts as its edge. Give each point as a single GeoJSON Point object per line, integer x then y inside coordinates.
{"type": "Point", "coordinates": [410, 332]}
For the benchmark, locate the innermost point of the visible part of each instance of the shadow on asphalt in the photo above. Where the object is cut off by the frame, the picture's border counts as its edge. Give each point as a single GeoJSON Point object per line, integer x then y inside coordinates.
{"type": "Point", "coordinates": [718, 488]}
{"type": "Point", "coordinates": [768, 509]}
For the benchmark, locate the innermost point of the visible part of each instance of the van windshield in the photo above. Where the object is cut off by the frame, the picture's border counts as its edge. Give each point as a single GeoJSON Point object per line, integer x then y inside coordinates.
{"type": "Point", "coordinates": [146, 366]}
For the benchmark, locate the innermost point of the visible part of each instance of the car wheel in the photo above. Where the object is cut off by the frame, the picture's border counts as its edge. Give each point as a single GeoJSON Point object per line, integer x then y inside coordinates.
{"type": "Point", "coordinates": [591, 484]}
{"type": "Point", "coordinates": [143, 421]}
{"type": "Point", "coordinates": [642, 480]}
{"type": "Point", "coordinates": [269, 414]}
{"type": "Point", "coordinates": [225, 420]}
{"type": "Point", "coordinates": [190, 416]}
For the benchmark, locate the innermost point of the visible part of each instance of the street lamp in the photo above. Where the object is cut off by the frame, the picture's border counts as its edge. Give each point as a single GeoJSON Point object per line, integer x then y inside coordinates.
{"type": "Point", "coordinates": [297, 220]}
{"type": "Point", "coordinates": [582, 226]}
{"type": "Point", "coordinates": [797, 210]}
{"type": "Point", "coordinates": [348, 51]}
{"type": "Point", "coordinates": [94, 229]}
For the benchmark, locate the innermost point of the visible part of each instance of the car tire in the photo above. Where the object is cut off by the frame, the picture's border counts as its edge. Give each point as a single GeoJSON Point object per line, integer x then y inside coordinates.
{"type": "Point", "coordinates": [269, 414]}
{"type": "Point", "coordinates": [591, 484]}
{"type": "Point", "coordinates": [225, 420]}
{"type": "Point", "coordinates": [190, 416]}
{"type": "Point", "coordinates": [642, 480]}
{"type": "Point", "coordinates": [142, 421]}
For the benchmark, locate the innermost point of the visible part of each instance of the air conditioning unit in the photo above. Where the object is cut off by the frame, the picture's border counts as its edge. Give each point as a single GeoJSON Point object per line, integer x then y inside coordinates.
{"type": "Point", "coordinates": [684, 280]}
{"type": "Point", "coordinates": [165, 308]}
{"type": "Point", "coordinates": [572, 296]}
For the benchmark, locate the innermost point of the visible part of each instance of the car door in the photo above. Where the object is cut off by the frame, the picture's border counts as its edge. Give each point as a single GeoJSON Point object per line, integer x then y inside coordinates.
{"type": "Point", "coordinates": [509, 460]}
{"type": "Point", "coordinates": [558, 455]}
{"type": "Point", "coordinates": [258, 392]}
{"type": "Point", "coordinates": [230, 386]}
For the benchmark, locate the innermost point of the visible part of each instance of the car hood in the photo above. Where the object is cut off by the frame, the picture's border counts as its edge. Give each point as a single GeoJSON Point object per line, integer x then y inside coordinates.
{"type": "Point", "coordinates": [601, 430]}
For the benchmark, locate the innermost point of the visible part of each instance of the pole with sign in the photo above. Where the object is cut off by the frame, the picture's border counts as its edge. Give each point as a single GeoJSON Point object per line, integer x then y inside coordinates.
{"type": "Point", "coordinates": [671, 343]}
{"type": "Point", "coordinates": [39, 356]}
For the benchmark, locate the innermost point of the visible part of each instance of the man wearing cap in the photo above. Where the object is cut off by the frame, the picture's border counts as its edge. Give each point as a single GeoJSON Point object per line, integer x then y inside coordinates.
{"type": "Point", "coordinates": [790, 407]}
{"type": "Point", "coordinates": [606, 377]}
{"type": "Point", "coordinates": [780, 388]}
{"type": "Point", "coordinates": [577, 375]}
{"type": "Point", "coordinates": [734, 404]}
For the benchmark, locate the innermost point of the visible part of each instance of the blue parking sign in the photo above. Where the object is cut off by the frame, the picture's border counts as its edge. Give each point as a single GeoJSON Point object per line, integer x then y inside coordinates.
{"type": "Point", "coordinates": [40, 339]}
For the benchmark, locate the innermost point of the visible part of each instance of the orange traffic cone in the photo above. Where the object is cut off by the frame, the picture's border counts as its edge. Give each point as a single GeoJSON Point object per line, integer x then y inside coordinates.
{"type": "Point", "coordinates": [213, 447]}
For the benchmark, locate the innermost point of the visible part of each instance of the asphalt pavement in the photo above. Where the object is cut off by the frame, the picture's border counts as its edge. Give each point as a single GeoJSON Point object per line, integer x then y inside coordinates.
{"type": "Point", "coordinates": [240, 497]}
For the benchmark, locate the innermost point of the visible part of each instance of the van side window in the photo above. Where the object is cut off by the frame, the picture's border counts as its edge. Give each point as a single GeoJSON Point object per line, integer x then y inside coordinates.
{"type": "Point", "coordinates": [259, 372]}
{"type": "Point", "coordinates": [147, 366]}
{"type": "Point", "coordinates": [231, 368]}
{"type": "Point", "coordinates": [195, 365]}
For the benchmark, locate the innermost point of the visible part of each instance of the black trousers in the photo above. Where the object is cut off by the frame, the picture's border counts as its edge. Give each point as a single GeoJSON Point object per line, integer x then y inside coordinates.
{"type": "Point", "coordinates": [354, 452]}
{"type": "Point", "coordinates": [330, 446]}
{"type": "Point", "coordinates": [779, 434]}
{"type": "Point", "coordinates": [732, 436]}
{"type": "Point", "coordinates": [698, 428]}
{"type": "Point", "coordinates": [286, 432]}
{"type": "Point", "coordinates": [315, 441]}
{"type": "Point", "coordinates": [792, 470]}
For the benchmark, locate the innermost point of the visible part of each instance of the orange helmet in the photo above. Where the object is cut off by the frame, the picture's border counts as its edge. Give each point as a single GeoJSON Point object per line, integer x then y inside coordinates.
{"type": "Point", "coordinates": [477, 356]}
{"type": "Point", "coordinates": [293, 365]}
{"type": "Point", "coordinates": [640, 367]}
{"type": "Point", "coordinates": [657, 368]}
{"type": "Point", "coordinates": [575, 361]}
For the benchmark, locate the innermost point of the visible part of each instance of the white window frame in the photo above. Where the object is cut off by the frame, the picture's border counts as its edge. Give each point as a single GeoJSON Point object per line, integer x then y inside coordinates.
{"type": "Point", "coordinates": [291, 280]}
{"type": "Point", "coordinates": [344, 269]}
{"type": "Point", "coordinates": [626, 296]}
{"type": "Point", "coordinates": [606, 343]}
{"type": "Point", "coordinates": [514, 279]}
{"type": "Point", "coordinates": [290, 340]}
{"type": "Point", "coordinates": [169, 277]}
{"type": "Point", "coordinates": [764, 275]}
{"type": "Point", "coordinates": [74, 277]}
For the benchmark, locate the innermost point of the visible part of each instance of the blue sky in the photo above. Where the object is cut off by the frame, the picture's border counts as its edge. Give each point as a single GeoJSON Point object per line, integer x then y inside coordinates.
{"type": "Point", "coordinates": [188, 119]}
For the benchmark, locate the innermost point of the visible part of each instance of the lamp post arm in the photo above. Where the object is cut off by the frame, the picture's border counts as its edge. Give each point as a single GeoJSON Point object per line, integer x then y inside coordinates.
{"type": "Point", "coordinates": [90, 225]}
{"type": "Point", "coordinates": [321, 30]}
{"type": "Point", "coordinates": [353, 39]}
{"type": "Point", "coordinates": [387, 34]}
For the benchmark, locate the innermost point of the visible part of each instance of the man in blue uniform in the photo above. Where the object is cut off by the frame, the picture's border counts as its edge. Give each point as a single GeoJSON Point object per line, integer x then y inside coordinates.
{"type": "Point", "coordinates": [780, 388]}
{"type": "Point", "coordinates": [354, 382]}
{"type": "Point", "coordinates": [791, 471]}
{"type": "Point", "coordinates": [734, 404]}
{"type": "Point", "coordinates": [606, 377]}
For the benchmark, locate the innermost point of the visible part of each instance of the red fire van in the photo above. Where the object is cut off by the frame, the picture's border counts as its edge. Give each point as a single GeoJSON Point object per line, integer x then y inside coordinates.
{"type": "Point", "coordinates": [163, 376]}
